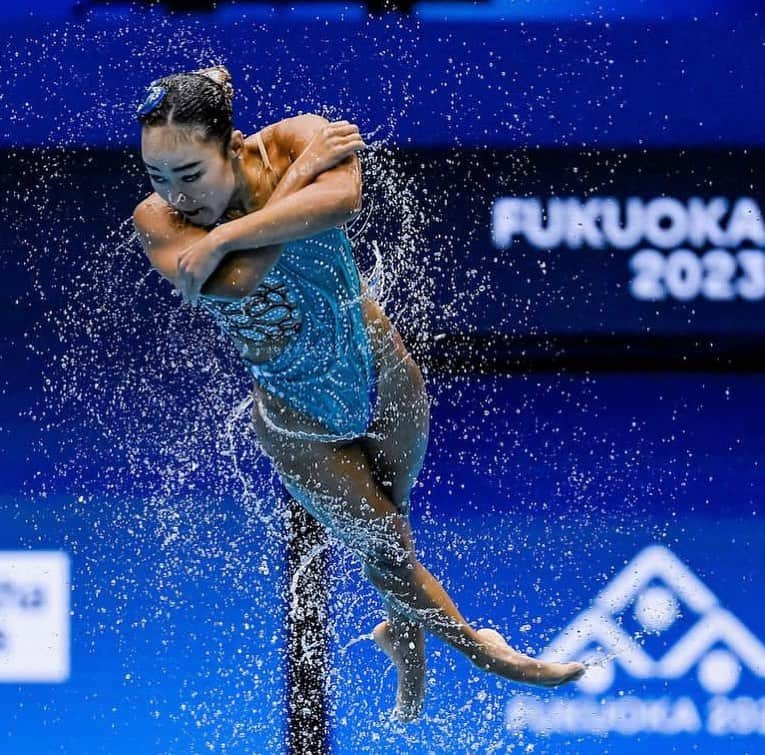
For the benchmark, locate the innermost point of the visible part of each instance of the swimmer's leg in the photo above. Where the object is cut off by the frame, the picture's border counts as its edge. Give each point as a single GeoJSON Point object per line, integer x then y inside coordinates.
{"type": "Point", "coordinates": [400, 637]}
{"type": "Point", "coordinates": [419, 596]}
{"type": "Point", "coordinates": [336, 484]}
{"type": "Point", "coordinates": [403, 640]}
{"type": "Point", "coordinates": [396, 452]}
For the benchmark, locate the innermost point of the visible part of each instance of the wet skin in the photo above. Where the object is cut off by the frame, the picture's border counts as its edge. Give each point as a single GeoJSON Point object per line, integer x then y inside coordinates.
{"type": "Point", "coordinates": [359, 489]}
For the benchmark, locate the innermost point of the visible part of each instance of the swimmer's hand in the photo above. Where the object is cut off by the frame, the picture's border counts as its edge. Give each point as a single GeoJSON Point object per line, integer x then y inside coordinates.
{"type": "Point", "coordinates": [331, 145]}
{"type": "Point", "coordinates": [195, 265]}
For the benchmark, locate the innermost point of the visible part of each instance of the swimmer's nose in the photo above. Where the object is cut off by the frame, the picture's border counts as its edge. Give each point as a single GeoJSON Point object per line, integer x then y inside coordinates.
{"type": "Point", "coordinates": [178, 202]}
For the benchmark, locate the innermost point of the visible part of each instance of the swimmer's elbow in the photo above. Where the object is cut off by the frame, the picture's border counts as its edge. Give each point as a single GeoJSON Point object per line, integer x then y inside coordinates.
{"type": "Point", "coordinates": [343, 182]}
{"type": "Point", "coordinates": [140, 223]}
{"type": "Point", "coordinates": [350, 203]}
{"type": "Point", "coordinates": [354, 209]}
{"type": "Point", "coordinates": [339, 206]}
{"type": "Point", "coordinates": [139, 217]}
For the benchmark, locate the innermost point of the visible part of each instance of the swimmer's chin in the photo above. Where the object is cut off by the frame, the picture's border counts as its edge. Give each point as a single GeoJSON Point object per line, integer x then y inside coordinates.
{"type": "Point", "coordinates": [207, 223]}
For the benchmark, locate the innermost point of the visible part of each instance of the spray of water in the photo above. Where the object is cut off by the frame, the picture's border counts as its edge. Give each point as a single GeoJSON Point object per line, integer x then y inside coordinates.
{"type": "Point", "coordinates": [150, 458]}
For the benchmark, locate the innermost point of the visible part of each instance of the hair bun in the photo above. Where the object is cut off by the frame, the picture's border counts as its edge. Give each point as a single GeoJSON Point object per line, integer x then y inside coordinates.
{"type": "Point", "coordinates": [221, 76]}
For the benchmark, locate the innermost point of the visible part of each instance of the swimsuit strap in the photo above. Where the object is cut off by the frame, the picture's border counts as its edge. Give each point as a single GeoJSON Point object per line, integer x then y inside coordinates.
{"type": "Point", "coordinates": [264, 156]}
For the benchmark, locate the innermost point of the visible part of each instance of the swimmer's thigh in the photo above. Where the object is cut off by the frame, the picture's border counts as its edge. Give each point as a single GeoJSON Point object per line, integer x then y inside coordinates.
{"type": "Point", "coordinates": [336, 484]}
{"type": "Point", "coordinates": [402, 425]}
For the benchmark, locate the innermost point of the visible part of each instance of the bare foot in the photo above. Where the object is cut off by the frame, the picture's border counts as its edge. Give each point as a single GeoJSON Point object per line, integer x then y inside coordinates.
{"type": "Point", "coordinates": [503, 660]}
{"type": "Point", "coordinates": [410, 667]}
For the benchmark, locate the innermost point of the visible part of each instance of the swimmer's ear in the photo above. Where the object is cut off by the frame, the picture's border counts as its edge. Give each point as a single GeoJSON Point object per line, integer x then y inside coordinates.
{"type": "Point", "coordinates": [236, 145]}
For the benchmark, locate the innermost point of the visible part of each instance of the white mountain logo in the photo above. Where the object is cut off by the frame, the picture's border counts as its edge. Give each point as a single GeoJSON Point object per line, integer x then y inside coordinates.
{"type": "Point", "coordinates": [656, 608]}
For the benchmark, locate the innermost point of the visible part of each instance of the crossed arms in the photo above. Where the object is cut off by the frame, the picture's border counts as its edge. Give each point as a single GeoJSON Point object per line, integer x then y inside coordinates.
{"type": "Point", "coordinates": [231, 260]}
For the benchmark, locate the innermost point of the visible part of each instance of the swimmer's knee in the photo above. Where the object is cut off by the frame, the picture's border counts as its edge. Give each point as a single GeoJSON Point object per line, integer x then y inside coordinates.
{"type": "Point", "coordinates": [393, 563]}
{"type": "Point", "coordinates": [386, 548]}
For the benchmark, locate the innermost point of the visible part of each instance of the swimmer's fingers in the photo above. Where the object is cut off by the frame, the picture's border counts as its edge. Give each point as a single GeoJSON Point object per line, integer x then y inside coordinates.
{"type": "Point", "coordinates": [343, 128]}
{"type": "Point", "coordinates": [347, 135]}
{"type": "Point", "coordinates": [351, 144]}
{"type": "Point", "coordinates": [332, 144]}
{"type": "Point", "coordinates": [182, 286]}
{"type": "Point", "coordinates": [192, 292]}
{"type": "Point", "coordinates": [191, 288]}
{"type": "Point", "coordinates": [184, 281]}
{"type": "Point", "coordinates": [356, 143]}
{"type": "Point", "coordinates": [180, 278]}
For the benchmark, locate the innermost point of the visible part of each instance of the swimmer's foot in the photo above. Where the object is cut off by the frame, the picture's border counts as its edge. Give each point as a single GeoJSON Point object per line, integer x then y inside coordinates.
{"type": "Point", "coordinates": [500, 658]}
{"type": "Point", "coordinates": [410, 667]}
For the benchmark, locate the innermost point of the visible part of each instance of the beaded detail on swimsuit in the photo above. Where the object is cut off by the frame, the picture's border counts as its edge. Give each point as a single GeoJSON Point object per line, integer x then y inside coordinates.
{"type": "Point", "coordinates": [326, 370]}
{"type": "Point", "coordinates": [269, 314]}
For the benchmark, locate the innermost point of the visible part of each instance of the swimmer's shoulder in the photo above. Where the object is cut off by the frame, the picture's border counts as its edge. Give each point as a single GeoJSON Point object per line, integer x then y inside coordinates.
{"type": "Point", "coordinates": [284, 140]}
{"type": "Point", "coordinates": [163, 233]}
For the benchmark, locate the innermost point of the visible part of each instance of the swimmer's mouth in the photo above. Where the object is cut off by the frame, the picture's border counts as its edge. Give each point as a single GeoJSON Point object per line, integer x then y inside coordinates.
{"type": "Point", "coordinates": [192, 214]}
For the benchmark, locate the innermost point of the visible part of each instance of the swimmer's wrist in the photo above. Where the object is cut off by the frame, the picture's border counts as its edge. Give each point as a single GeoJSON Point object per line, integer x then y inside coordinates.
{"type": "Point", "coordinates": [228, 237]}
{"type": "Point", "coordinates": [221, 241]}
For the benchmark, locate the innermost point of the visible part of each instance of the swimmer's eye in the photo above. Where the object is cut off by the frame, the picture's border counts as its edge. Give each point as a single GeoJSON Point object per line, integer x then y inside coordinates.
{"type": "Point", "coordinates": [188, 179]}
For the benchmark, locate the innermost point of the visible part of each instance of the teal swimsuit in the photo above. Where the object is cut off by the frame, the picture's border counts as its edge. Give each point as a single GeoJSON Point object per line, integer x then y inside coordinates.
{"type": "Point", "coordinates": [312, 295]}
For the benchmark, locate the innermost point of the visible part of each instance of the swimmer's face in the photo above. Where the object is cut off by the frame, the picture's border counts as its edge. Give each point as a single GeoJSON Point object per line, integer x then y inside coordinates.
{"type": "Point", "coordinates": [189, 173]}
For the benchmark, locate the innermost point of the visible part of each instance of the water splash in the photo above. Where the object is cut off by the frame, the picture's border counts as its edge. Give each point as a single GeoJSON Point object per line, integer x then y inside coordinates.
{"type": "Point", "coordinates": [148, 404]}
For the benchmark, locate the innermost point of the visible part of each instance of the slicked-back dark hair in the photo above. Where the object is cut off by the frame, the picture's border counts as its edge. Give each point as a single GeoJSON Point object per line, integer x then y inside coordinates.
{"type": "Point", "coordinates": [198, 99]}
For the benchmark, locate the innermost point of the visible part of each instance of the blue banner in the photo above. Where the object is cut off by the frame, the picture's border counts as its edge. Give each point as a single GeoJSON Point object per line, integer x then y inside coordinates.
{"type": "Point", "coordinates": [615, 243]}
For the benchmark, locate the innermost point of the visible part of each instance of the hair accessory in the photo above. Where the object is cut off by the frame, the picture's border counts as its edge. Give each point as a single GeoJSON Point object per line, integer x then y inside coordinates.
{"type": "Point", "coordinates": [154, 97]}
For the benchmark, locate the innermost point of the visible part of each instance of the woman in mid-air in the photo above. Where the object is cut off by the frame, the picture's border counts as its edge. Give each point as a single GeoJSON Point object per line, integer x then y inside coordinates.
{"type": "Point", "coordinates": [251, 230]}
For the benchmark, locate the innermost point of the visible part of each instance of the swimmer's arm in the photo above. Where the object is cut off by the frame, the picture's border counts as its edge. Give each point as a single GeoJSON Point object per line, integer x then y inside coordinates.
{"type": "Point", "coordinates": [296, 177]}
{"type": "Point", "coordinates": [164, 235]}
{"type": "Point", "coordinates": [331, 199]}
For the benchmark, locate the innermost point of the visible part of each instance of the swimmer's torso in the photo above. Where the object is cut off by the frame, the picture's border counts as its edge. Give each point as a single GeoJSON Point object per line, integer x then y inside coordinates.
{"type": "Point", "coordinates": [264, 321]}
{"type": "Point", "coordinates": [310, 304]}
{"type": "Point", "coordinates": [309, 331]}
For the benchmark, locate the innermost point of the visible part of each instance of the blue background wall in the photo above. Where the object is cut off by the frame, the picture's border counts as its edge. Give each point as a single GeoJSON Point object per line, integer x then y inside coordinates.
{"type": "Point", "coordinates": [592, 74]}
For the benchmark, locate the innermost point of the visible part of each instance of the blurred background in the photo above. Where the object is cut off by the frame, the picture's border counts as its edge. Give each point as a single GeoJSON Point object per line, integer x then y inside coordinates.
{"type": "Point", "coordinates": [566, 196]}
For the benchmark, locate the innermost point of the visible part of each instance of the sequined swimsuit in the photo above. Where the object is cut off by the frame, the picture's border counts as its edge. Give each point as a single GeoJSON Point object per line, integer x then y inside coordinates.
{"type": "Point", "coordinates": [311, 296]}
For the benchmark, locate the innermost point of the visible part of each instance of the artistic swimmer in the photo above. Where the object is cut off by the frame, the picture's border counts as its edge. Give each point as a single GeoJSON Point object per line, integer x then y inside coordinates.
{"type": "Point", "coordinates": [252, 230]}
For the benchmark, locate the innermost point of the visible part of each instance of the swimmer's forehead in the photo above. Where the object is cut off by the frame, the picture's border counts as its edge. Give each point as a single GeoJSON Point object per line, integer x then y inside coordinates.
{"type": "Point", "coordinates": [176, 149]}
